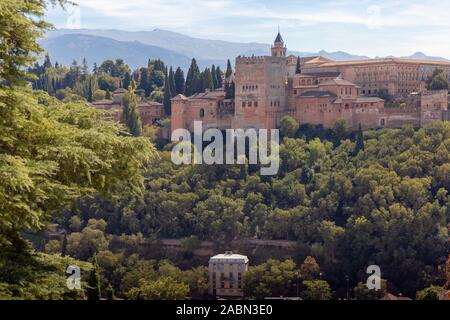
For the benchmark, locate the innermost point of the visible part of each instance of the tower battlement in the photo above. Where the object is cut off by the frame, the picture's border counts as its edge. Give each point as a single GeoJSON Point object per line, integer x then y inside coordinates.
{"type": "Point", "coordinates": [250, 60]}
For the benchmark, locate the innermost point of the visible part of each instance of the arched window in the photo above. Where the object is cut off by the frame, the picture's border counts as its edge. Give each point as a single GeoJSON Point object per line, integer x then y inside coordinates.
{"type": "Point", "coordinates": [202, 113]}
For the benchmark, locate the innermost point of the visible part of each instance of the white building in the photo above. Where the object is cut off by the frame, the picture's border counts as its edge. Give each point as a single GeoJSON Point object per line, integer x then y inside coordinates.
{"type": "Point", "coordinates": [225, 273]}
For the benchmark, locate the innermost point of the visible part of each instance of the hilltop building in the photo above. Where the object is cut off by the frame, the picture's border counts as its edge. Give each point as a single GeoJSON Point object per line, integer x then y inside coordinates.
{"type": "Point", "coordinates": [316, 90]}
{"type": "Point", "coordinates": [225, 273]}
{"type": "Point", "coordinates": [150, 111]}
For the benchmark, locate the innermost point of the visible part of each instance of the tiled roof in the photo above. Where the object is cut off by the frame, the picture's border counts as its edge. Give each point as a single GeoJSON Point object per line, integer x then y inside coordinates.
{"type": "Point", "coordinates": [318, 94]}
{"type": "Point", "coordinates": [179, 97]}
{"type": "Point", "coordinates": [339, 82]}
{"type": "Point", "coordinates": [384, 60]}
{"type": "Point", "coordinates": [208, 95]}
{"type": "Point", "coordinates": [322, 74]}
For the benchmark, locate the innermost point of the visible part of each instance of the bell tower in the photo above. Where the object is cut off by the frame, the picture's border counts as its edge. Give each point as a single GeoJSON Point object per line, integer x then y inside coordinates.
{"type": "Point", "coordinates": [278, 49]}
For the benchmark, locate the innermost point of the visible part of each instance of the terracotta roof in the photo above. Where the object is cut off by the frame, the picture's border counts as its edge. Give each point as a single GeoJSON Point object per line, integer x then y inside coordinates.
{"type": "Point", "coordinates": [384, 60]}
{"type": "Point", "coordinates": [390, 296]}
{"type": "Point", "coordinates": [318, 94]}
{"type": "Point", "coordinates": [179, 97]}
{"type": "Point", "coordinates": [318, 60]}
{"type": "Point", "coordinates": [208, 95]}
{"type": "Point", "coordinates": [321, 74]}
{"type": "Point", "coordinates": [339, 82]}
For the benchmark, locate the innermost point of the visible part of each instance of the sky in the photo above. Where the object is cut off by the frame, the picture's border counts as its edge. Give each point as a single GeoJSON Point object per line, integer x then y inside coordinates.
{"type": "Point", "coordinates": [364, 27]}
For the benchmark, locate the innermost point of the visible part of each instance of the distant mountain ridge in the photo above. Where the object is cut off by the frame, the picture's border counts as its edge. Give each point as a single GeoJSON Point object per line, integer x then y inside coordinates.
{"type": "Point", "coordinates": [176, 49]}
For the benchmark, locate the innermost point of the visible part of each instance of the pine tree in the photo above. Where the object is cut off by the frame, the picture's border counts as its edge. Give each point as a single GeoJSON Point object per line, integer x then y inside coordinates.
{"type": "Point", "coordinates": [84, 66]}
{"type": "Point", "coordinates": [130, 112]}
{"type": "Point", "coordinates": [93, 291]}
{"type": "Point", "coordinates": [359, 144]}
{"type": "Point", "coordinates": [95, 68]}
{"type": "Point", "coordinates": [298, 69]}
{"type": "Point", "coordinates": [47, 63]}
{"type": "Point", "coordinates": [172, 82]}
{"type": "Point", "coordinates": [179, 81]}
{"type": "Point", "coordinates": [229, 71]}
{"type": "Point", "coordinates": [126, 80]}
{"type": "Point", "coordinates": [167, 96]}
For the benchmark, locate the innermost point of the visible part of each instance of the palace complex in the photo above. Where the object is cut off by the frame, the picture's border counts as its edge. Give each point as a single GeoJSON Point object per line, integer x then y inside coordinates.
{"type": "Point", "coordinates": [316, 90]}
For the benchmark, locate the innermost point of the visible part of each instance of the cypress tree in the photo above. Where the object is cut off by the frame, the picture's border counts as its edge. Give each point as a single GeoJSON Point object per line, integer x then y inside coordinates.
{"type": "Point", "coordinates": [130, 113]}
{"type": "Point", "coordinates": [144, 83]}
{"type": "Point", "coordinates": [298, 69]}
{"type": "Point", "coordinates": [219, 77]}
{"type": "Point", "coordinates": [207, 80]}
{"type": "Point", "coordinates": [172, 82]}
{"type": "Point", "coordinates": [126, 80]}
{"type": "Point", "coordinates": [94, 291]}
{"type": "Point", "coordinates": [229, 71]}
{"type": "Point", "coordinates": [229, 90]}
{"type": "Point", "coordinates": [192, 78]}
{"type": "Point", "coordinates": [359, 144]}
{"type": "Point", "coordinates": [167, 96]}
{"type": "Point", "coordinates": [214, 76]}
{"type": "Point", "coordinates": [64, 246]}
{"type": "Point", "coordinates": [179, 81]}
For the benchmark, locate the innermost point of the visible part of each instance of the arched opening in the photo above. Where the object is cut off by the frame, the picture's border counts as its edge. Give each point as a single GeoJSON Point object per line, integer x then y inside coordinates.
{"type": "Point", "coordinates": [202, 113]}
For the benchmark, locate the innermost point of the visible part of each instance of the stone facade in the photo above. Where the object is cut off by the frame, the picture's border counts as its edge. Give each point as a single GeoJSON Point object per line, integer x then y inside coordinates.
{"type": "Point", "coordinates": [270, 87]}
{"type": "Point", "coordinates": [225, 273]}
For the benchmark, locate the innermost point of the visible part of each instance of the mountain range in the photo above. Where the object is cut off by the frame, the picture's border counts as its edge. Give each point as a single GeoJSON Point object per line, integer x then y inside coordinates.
{"type": "Point", "coordinates": [176, 49]}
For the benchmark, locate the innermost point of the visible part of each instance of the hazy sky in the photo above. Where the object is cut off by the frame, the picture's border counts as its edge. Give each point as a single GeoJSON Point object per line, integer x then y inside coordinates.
{"type": "Point", "coordinates": [366, 27]}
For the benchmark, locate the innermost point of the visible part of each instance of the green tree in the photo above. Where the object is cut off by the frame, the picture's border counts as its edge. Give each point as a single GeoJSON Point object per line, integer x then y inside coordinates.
{"type": "Point", "coordinates": [110, 293]}
{"type": "Point", "coordinates": [207, 80]}
{"type": "Point", "coordinates": [192, 79]}
{"type": "Point", "coordinates": [298, 69]}
{"type": "Point", "coordinates": [179, 81]}
{"type": "Point", "coordinates": [359, 143]}
{"type": "Point", "coordinates": [172, 82]}
{"type": "Point", "coordinates": [126, 80]}
{"type": "Point", "coordinates": [288, 127]}
{"type": "Point", "coordinates": [437, 81]}
{"type": "Point", "coordinates": [229, 71]}
{"type": "Point", "coordinates": [361, 292]}
{"type": "Point", "coordinates": [164, 288]}
{"type": "Point", "coordinates": [430, 293]}
{"type": "Point", "coordinates": [130, 113]}
{"type": "Point", "coordinates": [340, 128]}
{"type": "Point", "coordinates": [219, 76]}
{"type": "Point", "coordinates": [167, 96]}
{"type": "Point", "coordinates": [93, 290]}
{"type": "Point", "coordinates": [316, 290]}
{"type": "Point", "coordinates": [22, 25]}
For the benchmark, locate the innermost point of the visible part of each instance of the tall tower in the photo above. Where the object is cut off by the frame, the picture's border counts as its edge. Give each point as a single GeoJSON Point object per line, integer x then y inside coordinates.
{"type": "Point", "coordinates": [278, 48]}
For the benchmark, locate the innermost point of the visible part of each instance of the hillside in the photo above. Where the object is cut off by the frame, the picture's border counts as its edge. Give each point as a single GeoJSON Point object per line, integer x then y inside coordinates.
{"type": "Point", "coordinates": [69, 47]}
